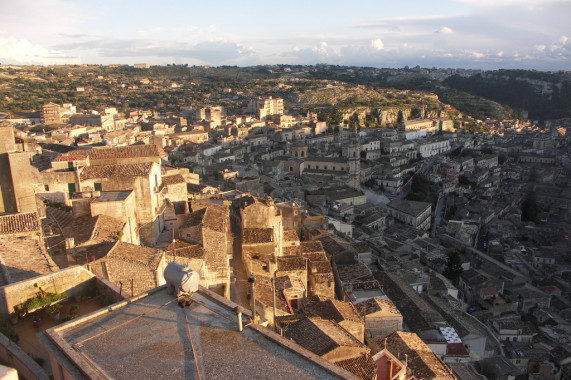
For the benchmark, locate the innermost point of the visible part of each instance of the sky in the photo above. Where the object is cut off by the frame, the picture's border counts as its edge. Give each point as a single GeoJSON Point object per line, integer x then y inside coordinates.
{"type": "Point", "coordinates": [478, 34]}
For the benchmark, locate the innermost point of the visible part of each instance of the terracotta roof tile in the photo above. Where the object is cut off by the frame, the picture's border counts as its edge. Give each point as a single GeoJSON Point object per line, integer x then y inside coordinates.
{"type": "Point", "coordinates": [290, 235]}
{"type": "Point", "coordinates": [321, 336]}
{"type": "Point", "coordinates": [423, 362]}
{"type": "Point", "coordinates": [132, 151]}
{"type": "Point", "coordinates": [334, 310]}
{"type": "Point", "coordinates": [292, 263]}
{"type": "Point", "coordinates": [257, 235]}
{"type": "Point", "coordinates": [361, 366]}
{"type": "Point", "coordinates": [173, 179]}
{"type": "Point", "coordinates": [374, 305]}
{"type": "Point", "coordinates": [186, 250]}
{"type": "Point", "coordinates": [105, 171]}
{"type": "Point", "coordinates": [18, 223]}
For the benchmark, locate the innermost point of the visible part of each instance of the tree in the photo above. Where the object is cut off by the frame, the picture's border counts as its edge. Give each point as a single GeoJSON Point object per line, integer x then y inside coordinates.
{"type": "Point", "coordinates": [453, 267]}
{"type": "Point", "coordinates": [529, 208]}
{"type": "Point", "coordinates": [415, 113]}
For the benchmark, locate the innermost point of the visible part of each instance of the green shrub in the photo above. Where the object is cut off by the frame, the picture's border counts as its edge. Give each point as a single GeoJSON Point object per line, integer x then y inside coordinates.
{"type": "Point", "coordinates": [42, 299]}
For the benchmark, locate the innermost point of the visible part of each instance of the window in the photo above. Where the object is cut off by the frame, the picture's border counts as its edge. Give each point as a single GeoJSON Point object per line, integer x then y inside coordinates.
{"type": "Point", "coordinates": [97, 186]}
{"type": "Point", "coordinates": [47, 187]}
{"type": "Point", "coordinates": [70, 165]}
{"type": "Point", "coordinates": [291, 168]}
{"type": "Point", "coordinates": [71, 189]}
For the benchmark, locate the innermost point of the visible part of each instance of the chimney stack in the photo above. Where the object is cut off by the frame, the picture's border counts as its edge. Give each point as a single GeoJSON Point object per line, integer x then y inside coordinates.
{"type": "Point", "coordinates": [239, 309]}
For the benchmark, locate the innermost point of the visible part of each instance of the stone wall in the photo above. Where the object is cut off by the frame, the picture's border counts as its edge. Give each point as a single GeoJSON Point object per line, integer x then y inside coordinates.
{"type": "Point", "coordinates": [191, 234]}
{"type": "Point", "coordinates": [12, 355]}
{"type": "Point", "coordinates": [72, 281]}
{"type": "Point", "coordinates": [382, 326]}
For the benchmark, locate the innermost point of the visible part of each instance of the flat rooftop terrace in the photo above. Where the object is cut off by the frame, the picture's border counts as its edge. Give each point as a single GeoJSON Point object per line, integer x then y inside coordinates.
{"type": "Point", "coordinates": [151, 336]}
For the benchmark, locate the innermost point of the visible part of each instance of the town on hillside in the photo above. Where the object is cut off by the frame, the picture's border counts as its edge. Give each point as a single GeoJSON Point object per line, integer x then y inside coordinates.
{"type": "Point", "coordinates": [405, 241]}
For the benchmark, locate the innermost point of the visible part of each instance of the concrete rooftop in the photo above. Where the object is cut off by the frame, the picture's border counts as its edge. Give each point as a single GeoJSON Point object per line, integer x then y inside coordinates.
{"type": "Point", "coordinates": [150, 336]}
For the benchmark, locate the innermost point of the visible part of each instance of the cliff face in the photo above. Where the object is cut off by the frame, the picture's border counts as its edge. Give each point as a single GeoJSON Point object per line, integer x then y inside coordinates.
{"type": "Point", "coordinates": [383, 116]}
{"type": "Point", "coordinates": [378, 107]}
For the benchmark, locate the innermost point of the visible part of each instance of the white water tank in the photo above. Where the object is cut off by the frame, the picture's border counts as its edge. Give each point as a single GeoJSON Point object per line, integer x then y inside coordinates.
{"type": "Point", "coordinates": [181, 278]}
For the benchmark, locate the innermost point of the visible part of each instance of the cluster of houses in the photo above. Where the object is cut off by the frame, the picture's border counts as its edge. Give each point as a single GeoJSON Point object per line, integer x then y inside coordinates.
{"type": "Point", "coordinates": [310, 230]}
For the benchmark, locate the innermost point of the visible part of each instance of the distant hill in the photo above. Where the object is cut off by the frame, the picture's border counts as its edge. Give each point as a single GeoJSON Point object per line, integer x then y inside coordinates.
{"type": "Point", "coordinates": [543, 95]}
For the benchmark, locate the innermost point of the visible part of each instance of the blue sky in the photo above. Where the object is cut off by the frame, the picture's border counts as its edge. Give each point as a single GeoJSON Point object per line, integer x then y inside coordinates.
{"type": "Point", "coordinates": [486, 34]}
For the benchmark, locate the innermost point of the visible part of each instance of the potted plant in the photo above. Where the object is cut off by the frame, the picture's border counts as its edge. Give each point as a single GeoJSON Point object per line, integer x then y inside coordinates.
{"type": "Point", "coordinates": [20, 310]}
{"type": "Point", "coordinates": [36, 321]}
{"type": "Point", "coordinates": [74, 310]}
{"type": "Point", "coordinates": [13, 335]}
{"type": "Point", "coordinates": [14, 318]}
{"type": "Point", "coordinates": [54, 311]}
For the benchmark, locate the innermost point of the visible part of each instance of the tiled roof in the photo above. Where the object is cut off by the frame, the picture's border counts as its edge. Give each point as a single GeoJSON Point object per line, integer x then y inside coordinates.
{"type": "Point", "coordinates": [290, 235]}
{"type": "Point", "coordinates": [412, 208]}
{"type": "Point", "coordinates": [18, 223]}
{"type": "Point", "coordinates": [126, 262]}
{"type": "Point", "coordinates": [292, 263]}
{"type": "Point", "coordinates": [136, 254]}
{"type": "Point", "coordinates": [291, 251]}
{"type": "Point", "coordinates": [416, 312]}
{"type": "Point", "coordinates": [127, 170]}
{"type": "Point", "coordinates": [184, 249]}
{"type": "Point", "coordinates": [311, 246]}
{"type": "Point", "coordinates": [257, 235]}
{"type": "Point", "coordinates": [194, 218]}
{"type": "Point", "coordinates": [320, 267]}
{"type": "Point", "coordinates": [198, 188]}
{"type": "Point", "coordinates": [216, 217]}
{"type": "Point", "coordinates": [348, 272]}
{"type": "Point", "coordinates": [422, 361]}
{"type": "Point", "coordinates": [373, 305]}
{"type": "Point", "coordinates": [173, 179]}
{"type": "Point", "coordinates": [361, 366]}
{"type": "Point", "coordinates": [23, 259]}
{"type": "Point", "coordinates": [331, 245]}
{"type": "Point", "coordinates": [132, 151]}
{"type": "Point", "coordinates": [320, 336]}
{"type": "Point", "coordinates": [75, 155]}
{"type": "Point", "coordinates": [331, 309]}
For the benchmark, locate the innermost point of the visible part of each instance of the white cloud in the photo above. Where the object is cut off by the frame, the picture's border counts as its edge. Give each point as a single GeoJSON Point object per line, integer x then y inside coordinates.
{"type": "Point", "coordinates": [321, 49]}
{"type": "Point", "coordinates": [540, 47]}
{"type": "Point", "coordinates": [563, 39]}
{"type": "Point", "coordinates": [377, 44]}
{"type": "Point", "coordinates": [21, 51]}
{"type": "Point", "coordinates": [445, 30]}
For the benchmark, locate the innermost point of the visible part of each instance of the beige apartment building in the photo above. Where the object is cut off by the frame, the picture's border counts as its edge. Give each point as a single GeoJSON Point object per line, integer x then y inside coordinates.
{"type": "Point", "coordinates": [415, 214]}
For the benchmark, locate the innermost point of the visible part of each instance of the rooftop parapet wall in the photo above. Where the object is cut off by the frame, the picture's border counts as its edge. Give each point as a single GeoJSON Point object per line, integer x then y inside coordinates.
{"type": "Point", "coordinates": [75, 280]}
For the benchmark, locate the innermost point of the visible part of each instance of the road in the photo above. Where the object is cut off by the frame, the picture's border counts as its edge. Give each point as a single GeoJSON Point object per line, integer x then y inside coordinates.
{"type": "Point", "coordinates": [438, 213]}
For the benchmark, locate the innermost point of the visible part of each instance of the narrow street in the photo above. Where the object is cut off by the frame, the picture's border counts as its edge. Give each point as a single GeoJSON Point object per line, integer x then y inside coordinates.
{"type": "Point", "coordinates": [438, 214]}
{"type": "Point", "coordinates": [239, 287]}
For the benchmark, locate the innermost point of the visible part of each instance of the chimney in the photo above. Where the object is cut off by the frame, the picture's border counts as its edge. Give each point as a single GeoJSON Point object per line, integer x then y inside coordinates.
{"type": "Point", "coordinates": [239, 309]}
